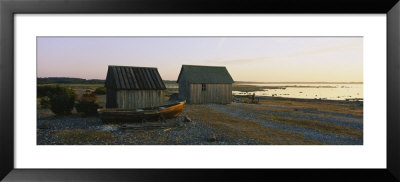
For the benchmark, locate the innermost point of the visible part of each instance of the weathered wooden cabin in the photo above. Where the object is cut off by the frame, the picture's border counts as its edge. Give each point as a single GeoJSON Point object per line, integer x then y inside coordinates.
{"type": "Point", "coordinates": [134, 87]}
{"type": "Point", "coordinates": [205, 84]}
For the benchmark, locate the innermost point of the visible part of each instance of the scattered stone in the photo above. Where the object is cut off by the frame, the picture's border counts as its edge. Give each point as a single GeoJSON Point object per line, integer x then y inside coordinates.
{"type": "Point", "coordinates": [187, 119]}
{"type": "Point", "coordinates": [197, 132]}
{"type": "Point", "coordinates": [45, 125]}
{"type": "Point", "coordinates": [213, 139]}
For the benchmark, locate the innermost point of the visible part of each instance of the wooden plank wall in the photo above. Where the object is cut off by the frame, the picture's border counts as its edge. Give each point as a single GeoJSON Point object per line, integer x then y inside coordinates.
{"type": "Point", "coordinates": [184, 89]}
{"type": "Point", "coordinates": [131, 99]}
{"type": "Point", "coordinates": [111, 96]}
{"type": "Point", "coordinates": [214, 93]}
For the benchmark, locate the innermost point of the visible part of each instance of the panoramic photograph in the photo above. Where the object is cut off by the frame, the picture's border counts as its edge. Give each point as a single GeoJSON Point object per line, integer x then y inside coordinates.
{"type": "Point", "coordinates": [199, 90]}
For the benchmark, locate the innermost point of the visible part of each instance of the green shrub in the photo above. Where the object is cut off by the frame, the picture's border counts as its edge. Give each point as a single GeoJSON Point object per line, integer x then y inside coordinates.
{"type": "Point", "coordinates": [45, 103]}
{"type": "Point", "coordinates": [87, 104]}
{"type": "Point", "coordinates": [100, 91]}
{"type": "Point", "coordinates": [47, 90]}
{"type": "Point", "coordinates": [62, 100]}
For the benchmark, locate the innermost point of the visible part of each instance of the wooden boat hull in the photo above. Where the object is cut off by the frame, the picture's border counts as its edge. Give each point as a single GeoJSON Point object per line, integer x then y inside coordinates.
{"type": "Point", "coordinates": [140, 115]}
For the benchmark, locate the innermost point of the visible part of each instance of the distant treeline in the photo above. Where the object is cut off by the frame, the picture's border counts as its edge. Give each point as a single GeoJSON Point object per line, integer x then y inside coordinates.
{"type": "Point", "coordinates": [49, 80]}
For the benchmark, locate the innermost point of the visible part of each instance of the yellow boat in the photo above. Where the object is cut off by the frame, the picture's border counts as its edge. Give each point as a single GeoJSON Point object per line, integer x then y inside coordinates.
{"type": "Point", "coordinates": [139, 115]}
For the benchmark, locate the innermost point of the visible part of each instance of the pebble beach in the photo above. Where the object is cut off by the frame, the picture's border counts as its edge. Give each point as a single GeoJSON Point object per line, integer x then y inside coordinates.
{"type": "Point", "coordinates": [271, 122]}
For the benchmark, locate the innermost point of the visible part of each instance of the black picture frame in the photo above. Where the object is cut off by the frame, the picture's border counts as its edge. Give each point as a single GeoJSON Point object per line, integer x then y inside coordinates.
{"type": "Point", "coordinates": [8, 8]}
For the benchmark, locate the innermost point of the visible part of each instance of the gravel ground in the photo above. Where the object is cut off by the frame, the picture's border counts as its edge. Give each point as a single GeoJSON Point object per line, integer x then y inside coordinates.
{"type": "Point", "coordinates": [235, 110]}
{"type": "Point", "coordinates": [180, 132]}
{"type": "Point", "coordinates": [173, 132]}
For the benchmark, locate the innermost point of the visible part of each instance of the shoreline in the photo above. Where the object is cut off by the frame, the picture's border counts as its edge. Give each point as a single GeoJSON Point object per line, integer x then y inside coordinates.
{"type": "Point", "coordinates": [355, 100]}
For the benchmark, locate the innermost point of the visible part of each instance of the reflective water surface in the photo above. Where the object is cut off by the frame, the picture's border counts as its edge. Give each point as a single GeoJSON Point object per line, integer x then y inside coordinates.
{"type": "Point", "coordinates": [310, 91]}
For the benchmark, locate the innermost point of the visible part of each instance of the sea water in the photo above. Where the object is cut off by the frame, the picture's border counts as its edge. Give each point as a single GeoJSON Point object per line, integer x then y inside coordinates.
{"type": "Point", "coordinates": [310, 91]}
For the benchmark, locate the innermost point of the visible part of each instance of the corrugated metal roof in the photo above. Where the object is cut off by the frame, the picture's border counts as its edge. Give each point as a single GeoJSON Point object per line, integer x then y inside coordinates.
{"type": "Point", "coordinates": [134, 78]}
{"type": "Point", "coordinates": [205, 74]}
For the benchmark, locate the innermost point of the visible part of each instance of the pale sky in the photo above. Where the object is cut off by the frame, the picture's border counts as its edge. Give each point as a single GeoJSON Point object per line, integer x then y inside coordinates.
{"type": "Point", "coordinates": [261, 59]}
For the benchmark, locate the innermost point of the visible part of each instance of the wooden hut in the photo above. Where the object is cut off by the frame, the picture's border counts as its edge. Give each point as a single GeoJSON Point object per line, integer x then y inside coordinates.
{"type": "Point", "coordinates": [205, 84]}
{"type": "Point", "coordinates": [134, 87]}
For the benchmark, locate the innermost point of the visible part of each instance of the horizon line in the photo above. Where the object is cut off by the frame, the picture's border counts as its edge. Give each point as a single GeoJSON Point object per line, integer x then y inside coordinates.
{"type": "Point", "coordinates": [265, 82]}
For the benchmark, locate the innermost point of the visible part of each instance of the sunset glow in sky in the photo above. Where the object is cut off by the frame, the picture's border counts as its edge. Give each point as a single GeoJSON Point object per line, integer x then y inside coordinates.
{"type": "Point", "coordinates": [263, 59]}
